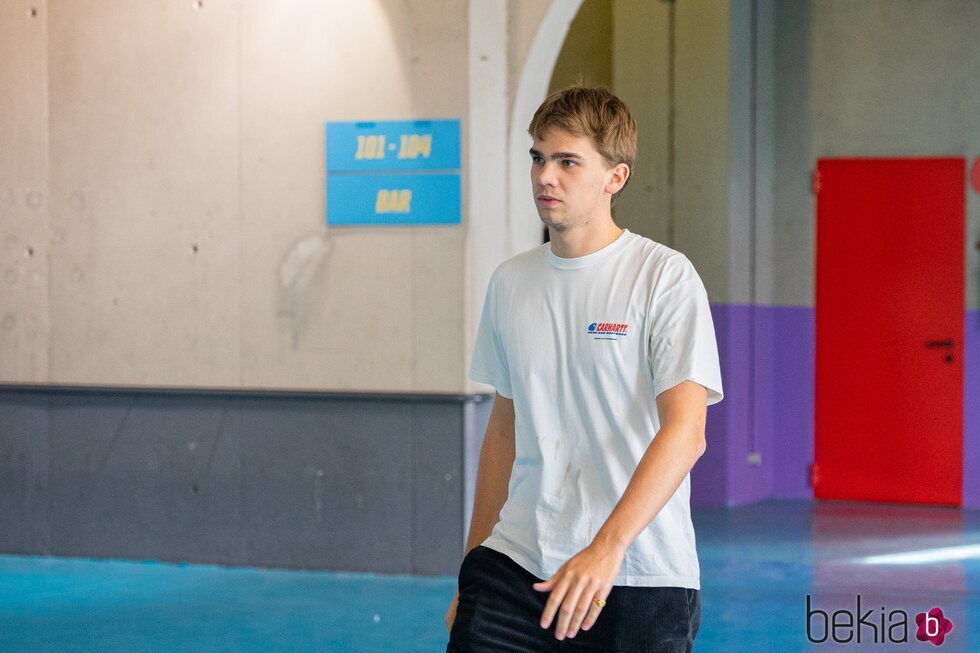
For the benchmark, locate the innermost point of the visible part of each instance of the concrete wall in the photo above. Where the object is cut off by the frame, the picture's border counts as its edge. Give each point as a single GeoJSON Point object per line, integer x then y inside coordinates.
{"type": "Point", "coordinates": [643, 57]}
{"type": "Point", "coordinates": [524, 19]}
{"type": "Point", "coordinates": [870, 78]}
{"type": "Point", "coordinates": [162, 200]}
{"type": "Point", "coordinates": [162, 225]}
{"type": "Point", "coordinates": [24, 219]}
{"type": "Point", "coordinates": [587, 50]}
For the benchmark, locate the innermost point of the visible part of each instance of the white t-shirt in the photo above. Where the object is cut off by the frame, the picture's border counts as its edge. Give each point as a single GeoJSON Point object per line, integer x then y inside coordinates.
{"type": "Point", "coordinates": [583, 346]}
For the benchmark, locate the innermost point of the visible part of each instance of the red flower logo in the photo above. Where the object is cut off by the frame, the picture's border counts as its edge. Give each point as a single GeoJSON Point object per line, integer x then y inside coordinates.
{"type": "Point", "coordinates": [933, 626]}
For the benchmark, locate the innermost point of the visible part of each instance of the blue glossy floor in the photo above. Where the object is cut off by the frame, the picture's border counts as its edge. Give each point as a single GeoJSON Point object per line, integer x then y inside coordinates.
{"type": "Point", "coordinates": [758, 564]}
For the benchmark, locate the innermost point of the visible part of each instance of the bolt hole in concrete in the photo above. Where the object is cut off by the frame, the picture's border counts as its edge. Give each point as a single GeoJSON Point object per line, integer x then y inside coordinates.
{"type": "Point", "coordinates": [194, 248]}
{"type": "Point", "coordinates": [32, 12]}
{"type": "Point", "coordinates": [29, 252]}
{"type": "Point", "coordinates": [199, 4]}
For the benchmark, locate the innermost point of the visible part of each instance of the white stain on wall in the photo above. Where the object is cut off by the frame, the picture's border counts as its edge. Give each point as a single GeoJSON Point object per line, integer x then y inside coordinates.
{"type": "Point", "coordinates": [298, 271]}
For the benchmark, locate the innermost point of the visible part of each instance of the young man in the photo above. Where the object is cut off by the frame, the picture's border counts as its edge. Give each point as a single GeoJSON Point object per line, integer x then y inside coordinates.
{"type": "Point", "coordinates": [601, 347]}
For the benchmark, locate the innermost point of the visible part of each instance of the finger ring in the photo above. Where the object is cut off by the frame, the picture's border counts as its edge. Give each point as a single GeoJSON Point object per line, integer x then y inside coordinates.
{"type": "Point", "coordinates": [599, 602]}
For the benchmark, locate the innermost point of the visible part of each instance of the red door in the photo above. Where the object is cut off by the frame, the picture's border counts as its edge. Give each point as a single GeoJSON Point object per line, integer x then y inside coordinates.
{"type": "Point", "coordinates": [889, 330]}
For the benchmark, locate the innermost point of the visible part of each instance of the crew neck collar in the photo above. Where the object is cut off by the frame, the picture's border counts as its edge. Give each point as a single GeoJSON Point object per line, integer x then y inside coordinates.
{"type": "Point", "coordinates": [588, 259]}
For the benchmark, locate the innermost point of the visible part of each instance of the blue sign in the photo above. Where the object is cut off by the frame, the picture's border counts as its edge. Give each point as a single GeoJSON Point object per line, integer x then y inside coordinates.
{"type": "Point", "coordinates": [393, 172]}
{"type": "Point", "coordinates": [393, 199]}
{"type": "Point", "coordinates": [393, 145]}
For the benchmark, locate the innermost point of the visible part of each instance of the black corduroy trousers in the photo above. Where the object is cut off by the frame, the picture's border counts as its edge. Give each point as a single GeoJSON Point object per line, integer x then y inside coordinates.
{"type": "Point", "coordinates": [499, 611]}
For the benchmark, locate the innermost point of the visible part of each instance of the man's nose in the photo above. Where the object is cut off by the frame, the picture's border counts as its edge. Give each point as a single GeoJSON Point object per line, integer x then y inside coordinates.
{"type": "Point", "coordinates": [546, 175]}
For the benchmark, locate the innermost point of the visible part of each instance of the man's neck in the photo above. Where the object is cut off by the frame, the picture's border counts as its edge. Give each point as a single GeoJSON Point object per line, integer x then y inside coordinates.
{"type": "Point", "coordinates": [583, 240]}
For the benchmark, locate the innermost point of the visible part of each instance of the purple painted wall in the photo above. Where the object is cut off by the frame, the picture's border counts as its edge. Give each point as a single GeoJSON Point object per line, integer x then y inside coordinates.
{"type": "Point", "coordinates": [794, 360]}
{"type": "Point", "coordinates": [768, 407]}
{"type": "Point", "coordinates": [768, 369]}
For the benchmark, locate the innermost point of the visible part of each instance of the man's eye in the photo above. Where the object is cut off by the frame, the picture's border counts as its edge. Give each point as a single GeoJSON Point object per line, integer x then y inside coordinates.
{"type": "Point", "coordinates": [569, 161]}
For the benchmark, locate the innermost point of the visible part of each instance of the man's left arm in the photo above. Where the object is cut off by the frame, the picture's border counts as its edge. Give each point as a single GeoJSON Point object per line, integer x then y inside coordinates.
{"type": "Point", "coordinates": [671, 455]}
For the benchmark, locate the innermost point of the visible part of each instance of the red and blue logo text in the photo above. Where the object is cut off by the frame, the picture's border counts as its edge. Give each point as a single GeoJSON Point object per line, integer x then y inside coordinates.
{"type": "Point", "coordinates": [608, 330]}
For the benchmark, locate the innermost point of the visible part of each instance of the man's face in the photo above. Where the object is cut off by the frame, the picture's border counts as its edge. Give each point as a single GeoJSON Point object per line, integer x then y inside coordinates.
{"type": "Point", "coordinates": [571, 181]}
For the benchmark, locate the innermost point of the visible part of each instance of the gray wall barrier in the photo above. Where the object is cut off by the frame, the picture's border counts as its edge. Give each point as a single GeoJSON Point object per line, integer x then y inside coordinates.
{"type": "Point", "coordinates": [356, 482]}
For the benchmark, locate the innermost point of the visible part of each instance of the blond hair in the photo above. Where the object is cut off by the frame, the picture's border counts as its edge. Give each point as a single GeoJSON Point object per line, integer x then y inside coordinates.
{"type": "Point", "coordinates": [595, 112]}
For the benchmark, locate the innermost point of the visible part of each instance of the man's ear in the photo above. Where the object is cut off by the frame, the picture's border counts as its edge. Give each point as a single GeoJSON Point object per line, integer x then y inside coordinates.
{"type": "Point", "coordinates": [619, 174]}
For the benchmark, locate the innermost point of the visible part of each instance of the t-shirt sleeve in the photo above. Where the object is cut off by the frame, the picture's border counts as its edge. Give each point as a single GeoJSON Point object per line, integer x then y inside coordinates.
{"type": "Point", "coordinates": [682, 343]}
{"type": "Point", "coordinates": [489, 364]}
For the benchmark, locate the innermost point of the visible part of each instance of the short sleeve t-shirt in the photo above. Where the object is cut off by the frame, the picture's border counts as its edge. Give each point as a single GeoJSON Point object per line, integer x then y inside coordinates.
{"type": "Point", "coordinates": [583, 346]}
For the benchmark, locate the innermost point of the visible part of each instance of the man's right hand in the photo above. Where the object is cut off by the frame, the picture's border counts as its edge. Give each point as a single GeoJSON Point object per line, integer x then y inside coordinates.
{"type": "Point", "coordinates": [451, 612]}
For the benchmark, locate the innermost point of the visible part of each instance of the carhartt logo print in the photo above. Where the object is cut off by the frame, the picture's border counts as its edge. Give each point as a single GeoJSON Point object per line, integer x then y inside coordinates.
{"type": "Point", "coordinates": [607, 330]}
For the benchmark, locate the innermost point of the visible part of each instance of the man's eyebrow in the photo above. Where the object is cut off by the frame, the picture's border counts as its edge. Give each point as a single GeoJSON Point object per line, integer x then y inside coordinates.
{"type": "Point", "coordinates": [557, 155]}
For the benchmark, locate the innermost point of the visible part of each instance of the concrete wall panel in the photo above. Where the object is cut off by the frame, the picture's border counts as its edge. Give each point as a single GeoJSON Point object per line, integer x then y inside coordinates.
{"type": "Point", "coordinates": [879, 78]}
{"type": "Point", "coordinates": [24, 203]}
{"type": "Point", "coordinates": [794, 232]}
{"type": "Point", "coordinates": [344, 308]}
{"type": "Point", "coordinates": [641, 67]}
{"type": "Point", "coordinates": [188, 244]}
{"type": "Point", "coordinates": [701, 163]}
{"type": "Point", "coordinates": [361, 483]}
{"type": "Point", "coordinates": [524, 18]}
{"type": "Point", "coordinates": [24, 474]}
{"type": "Point", "coordinates": [144, 193]}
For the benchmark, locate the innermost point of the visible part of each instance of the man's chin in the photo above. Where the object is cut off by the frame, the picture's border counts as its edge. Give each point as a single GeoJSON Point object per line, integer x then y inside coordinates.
{"type": "Point", "coordinates": [559, 227]}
